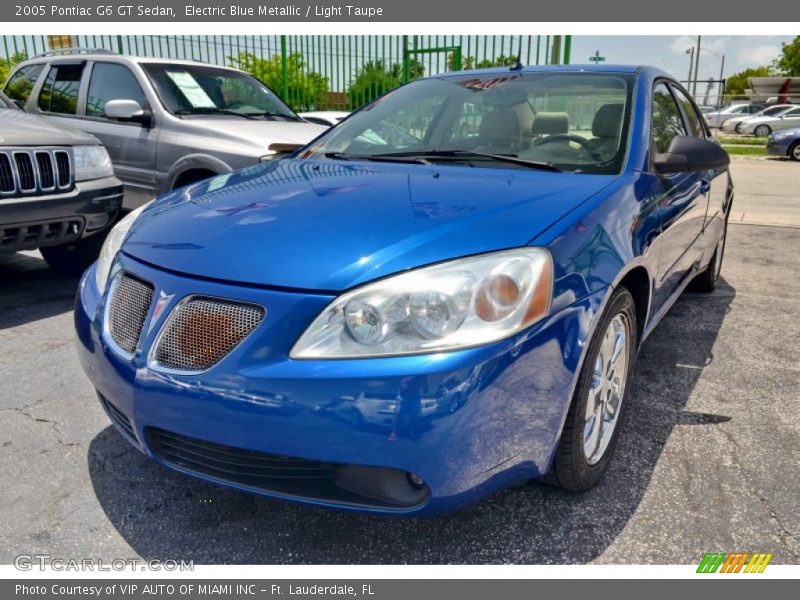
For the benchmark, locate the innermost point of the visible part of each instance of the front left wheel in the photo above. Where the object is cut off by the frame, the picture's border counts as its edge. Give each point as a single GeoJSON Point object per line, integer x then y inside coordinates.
{"type": "Point", "coordinates": [592, 426]}
{"type": "Point", "coordinates": [794, 151]}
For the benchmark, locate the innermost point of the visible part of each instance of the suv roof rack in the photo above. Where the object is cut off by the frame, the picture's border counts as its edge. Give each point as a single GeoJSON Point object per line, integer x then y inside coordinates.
{"type": "Point", "coordinates": [76, 50]}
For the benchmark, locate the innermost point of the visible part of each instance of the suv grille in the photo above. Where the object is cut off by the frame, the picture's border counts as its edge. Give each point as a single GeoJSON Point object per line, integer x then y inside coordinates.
{"type": "Point", "coordinates": [26, 171]}
{"type": "Point", "coordinates": [128, 304]}
{"type": "Point", "coordinates": [202, 331]}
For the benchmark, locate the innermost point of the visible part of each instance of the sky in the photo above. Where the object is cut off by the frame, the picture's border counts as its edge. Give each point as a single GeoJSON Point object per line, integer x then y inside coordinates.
{"type": "Point", "coordinates": [669, 52]}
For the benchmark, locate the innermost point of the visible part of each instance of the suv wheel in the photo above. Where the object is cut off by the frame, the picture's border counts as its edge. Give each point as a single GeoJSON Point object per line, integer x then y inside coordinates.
{"type": "Point", "coordinates": [75, 257]}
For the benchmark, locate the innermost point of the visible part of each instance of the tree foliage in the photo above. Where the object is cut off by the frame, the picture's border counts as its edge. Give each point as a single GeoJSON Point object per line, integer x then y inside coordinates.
{"type": "Point", "coordinates": [304, 90]}
{"type": "Point", "coordinates": [377, 77]}
{"type": "Point", "coordinates": [788, 63]}
{"type": "Point", "coordinates": [735, 85]}
{"type": "Point", "coordinates": [8, 64]}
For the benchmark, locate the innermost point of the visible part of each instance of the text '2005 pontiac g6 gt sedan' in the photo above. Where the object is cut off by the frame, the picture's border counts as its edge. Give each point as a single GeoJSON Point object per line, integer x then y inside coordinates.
{"type": "Point", "coordinates": [440, 296]}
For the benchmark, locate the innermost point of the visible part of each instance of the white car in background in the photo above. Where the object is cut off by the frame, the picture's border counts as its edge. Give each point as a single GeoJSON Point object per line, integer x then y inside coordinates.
{"type": "Point", "coordinates": [329, 118]}
{"type": "Point", "coordinates": [763, 126]}
{"type": "Point", "coordinates": [718, 117]}
{"type": "Point", "coordinates": [734, 125]}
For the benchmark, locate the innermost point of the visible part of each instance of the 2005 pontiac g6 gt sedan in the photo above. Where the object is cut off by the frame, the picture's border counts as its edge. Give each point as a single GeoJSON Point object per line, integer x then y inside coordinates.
{"type": "Point", "coordinates": [440, 296]}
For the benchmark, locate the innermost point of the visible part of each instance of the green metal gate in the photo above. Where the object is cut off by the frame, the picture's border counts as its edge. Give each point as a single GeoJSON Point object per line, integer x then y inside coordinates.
{"type": "Point", "coordinates": [319, 72]}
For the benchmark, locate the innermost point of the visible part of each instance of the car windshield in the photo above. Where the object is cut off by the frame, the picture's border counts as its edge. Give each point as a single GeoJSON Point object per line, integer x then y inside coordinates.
{"type": "Point", "coordinates": [195, 89]}
{"type": "Point", "coordinates": [555, 121]}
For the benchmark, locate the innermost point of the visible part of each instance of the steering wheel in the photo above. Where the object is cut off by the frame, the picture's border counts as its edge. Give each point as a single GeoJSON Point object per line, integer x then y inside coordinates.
{"type": "Point", "coordinates": [568, 137]}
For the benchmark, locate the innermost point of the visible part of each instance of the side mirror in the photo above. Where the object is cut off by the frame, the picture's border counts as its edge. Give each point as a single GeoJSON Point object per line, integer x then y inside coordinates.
{"type": "Point", "coordinates": [127, 110]}
{"type": "Point", "coordinates": [688, 153]}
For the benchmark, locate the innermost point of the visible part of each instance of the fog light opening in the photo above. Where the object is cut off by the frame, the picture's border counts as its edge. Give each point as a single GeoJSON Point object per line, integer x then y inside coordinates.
{"type": "Point", "coordinates": [416, 481]}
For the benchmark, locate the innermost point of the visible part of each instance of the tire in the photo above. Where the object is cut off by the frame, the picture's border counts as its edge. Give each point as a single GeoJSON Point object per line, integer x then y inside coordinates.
{"type": "Point", "coordinates": [738, 128]}
{"type": "Point", "coordinates": [762, 131]}
{"type": "Point", "coordinates": [579, 463]}
{"type": "Point", "coordinates": [75, 257]}
{"type": "Point", "coordinates": [794, 151]}
{"type": "Point", "coordinates": [706, 282]}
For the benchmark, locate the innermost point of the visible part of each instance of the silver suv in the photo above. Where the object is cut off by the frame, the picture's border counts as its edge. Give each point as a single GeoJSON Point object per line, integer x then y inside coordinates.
{"type": "Point", "coordinates": [165, 123]}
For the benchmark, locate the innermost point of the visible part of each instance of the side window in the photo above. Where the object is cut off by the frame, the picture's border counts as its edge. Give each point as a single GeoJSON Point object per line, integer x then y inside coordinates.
{"type": "Point", "coordinates": [21, 84]}
{"type": "Point", "coordinates": [667, 121]}
{"type": "Point", "coordinates": [691, 114]}
{"type": "Point", "coordinates": [110, 81]}
{"type": "Point", "coordinates": [60, 90]}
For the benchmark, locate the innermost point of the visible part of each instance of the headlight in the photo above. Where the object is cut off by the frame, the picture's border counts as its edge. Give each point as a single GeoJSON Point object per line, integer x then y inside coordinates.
{"type": "Point", "coordinates": [111, 246]}
{"type": "Point", "coordinates": [91, 162]}
{"type": "Point", "coordinates": [457, 304]}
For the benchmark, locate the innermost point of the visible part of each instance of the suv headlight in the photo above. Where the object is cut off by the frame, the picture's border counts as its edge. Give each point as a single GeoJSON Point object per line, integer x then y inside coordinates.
{"type": "Point", "coordinates": [91, 162]}
{"type": "Point", "coordinates": [449, 306]}
{"type": "Point", "coordinates": [112, 245]}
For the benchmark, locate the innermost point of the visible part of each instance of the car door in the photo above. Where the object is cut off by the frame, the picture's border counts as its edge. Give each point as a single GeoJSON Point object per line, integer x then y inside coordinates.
{"type": "Point", "coordinates": [131, 145]}
{"type": "Point", "coordinates": [715, 180]}
{"type": "Point", "coordinates": [681, 199]}
{"type": "Point", "coordinates": [788, 120]}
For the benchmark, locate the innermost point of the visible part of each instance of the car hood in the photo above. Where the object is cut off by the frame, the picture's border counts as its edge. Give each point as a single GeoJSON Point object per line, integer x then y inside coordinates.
{"type": "Point", "coordinates": [21, 129]}
{"type": "Point", "coordinates": [331, 225]}
{"type": "Point", "coordinates": [254, 132]}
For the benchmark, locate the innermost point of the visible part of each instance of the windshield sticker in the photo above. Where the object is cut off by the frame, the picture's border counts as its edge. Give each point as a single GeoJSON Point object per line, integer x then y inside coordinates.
{"type": "Point", "coordinates": [191, 89]}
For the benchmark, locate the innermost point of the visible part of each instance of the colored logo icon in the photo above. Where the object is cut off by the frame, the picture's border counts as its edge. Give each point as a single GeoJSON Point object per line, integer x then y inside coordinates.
{"type": "Point", "coordinates": [735, 562]}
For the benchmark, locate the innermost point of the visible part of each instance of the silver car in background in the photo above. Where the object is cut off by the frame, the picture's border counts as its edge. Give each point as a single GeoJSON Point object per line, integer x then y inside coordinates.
{"type": "Point", "coordinates": [165, 123]}
{"type": "Point", "coordinates": [718, 117]}
{"type": "Point", "coordinates": [734, 125]}
{"type": "Point", "coordinates": [764, 126]}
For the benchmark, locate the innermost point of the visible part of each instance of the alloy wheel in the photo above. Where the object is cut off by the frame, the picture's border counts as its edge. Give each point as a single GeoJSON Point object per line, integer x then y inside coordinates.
{"type": "Point", "coordinates": [607, 389]}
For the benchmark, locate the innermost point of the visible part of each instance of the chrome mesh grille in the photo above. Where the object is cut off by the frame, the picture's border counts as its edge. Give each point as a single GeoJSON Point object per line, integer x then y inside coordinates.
{"type": "Point", "coordinates": [202, 331]}
{"type": "Point", "coordinates": [128, 303]}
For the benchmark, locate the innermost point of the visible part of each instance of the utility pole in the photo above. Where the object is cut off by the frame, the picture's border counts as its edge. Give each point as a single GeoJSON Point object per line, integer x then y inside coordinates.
{"type": "Point", "coordinates": [690, 52]}
{"type": "Point", "coordinates": [696, 66]}
{"type": "Point", "coordinates": [721, 72]}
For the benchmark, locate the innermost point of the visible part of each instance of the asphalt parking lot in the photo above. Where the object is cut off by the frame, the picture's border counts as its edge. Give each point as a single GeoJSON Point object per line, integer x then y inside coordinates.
{"type": "Point", "coordinates": [708, 459]}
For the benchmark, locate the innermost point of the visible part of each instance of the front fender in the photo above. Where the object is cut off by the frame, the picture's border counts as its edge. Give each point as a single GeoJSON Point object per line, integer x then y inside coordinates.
{"type": "Point", "coordinates": [194, 161]}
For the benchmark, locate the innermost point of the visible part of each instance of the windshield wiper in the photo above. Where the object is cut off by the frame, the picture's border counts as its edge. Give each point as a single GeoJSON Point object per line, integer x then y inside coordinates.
{"type": "Point", "coordinates": [268, 113]}
{"type": "Point", "coordinates": [207, 110]}
{"type": "Point", "coordinates": [401, 158]}
{"type": "Point", "coordinates": [455, 153]}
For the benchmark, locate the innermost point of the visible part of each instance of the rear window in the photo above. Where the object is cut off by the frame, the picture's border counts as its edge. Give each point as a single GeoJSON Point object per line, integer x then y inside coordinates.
{"type": "Point", "coordinates": [60, 90]}
{"type": "Point", "coordinates": [20, 85]}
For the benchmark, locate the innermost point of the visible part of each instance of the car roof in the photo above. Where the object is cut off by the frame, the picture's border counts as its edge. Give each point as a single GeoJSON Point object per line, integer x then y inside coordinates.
{"type": "Point", "coordinates": [114, 57]}
{"type": "Point", "coordinates": [573, 68]}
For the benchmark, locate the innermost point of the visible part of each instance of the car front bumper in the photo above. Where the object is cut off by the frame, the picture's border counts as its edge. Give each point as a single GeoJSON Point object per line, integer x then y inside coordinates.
{"type": "Point", "coordinates": [467, 422]}
{"type": "Point", "coordinates": [30, 222]}
{"type": "Point", "coordinates": [779, 147]}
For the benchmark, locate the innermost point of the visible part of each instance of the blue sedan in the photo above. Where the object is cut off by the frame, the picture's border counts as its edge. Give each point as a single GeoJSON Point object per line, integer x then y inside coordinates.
{"type": "Point", "coordinates": [785, 143]}
{"type": "Point", "coordinates": [439, 297]}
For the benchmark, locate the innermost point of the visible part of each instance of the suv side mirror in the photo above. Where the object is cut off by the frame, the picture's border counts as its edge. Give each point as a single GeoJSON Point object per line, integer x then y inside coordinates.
{"type": "Point", "coordinates": [688, 153]}
{"type": "Point", "coordinates": [127, 110]}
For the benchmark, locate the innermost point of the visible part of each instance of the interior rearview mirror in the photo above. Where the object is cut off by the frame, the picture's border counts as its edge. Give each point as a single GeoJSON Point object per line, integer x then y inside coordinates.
{"type": "Point", "coordinates": [688, 153]}
{"type": "Point", "coordinates": [127, 110]}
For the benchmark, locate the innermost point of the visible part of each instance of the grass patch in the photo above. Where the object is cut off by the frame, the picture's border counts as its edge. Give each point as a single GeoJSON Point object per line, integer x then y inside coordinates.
{"type": "Point", "coordinates": [730, 140]}
{"type": "Point", "coordinates": [746, 150]}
